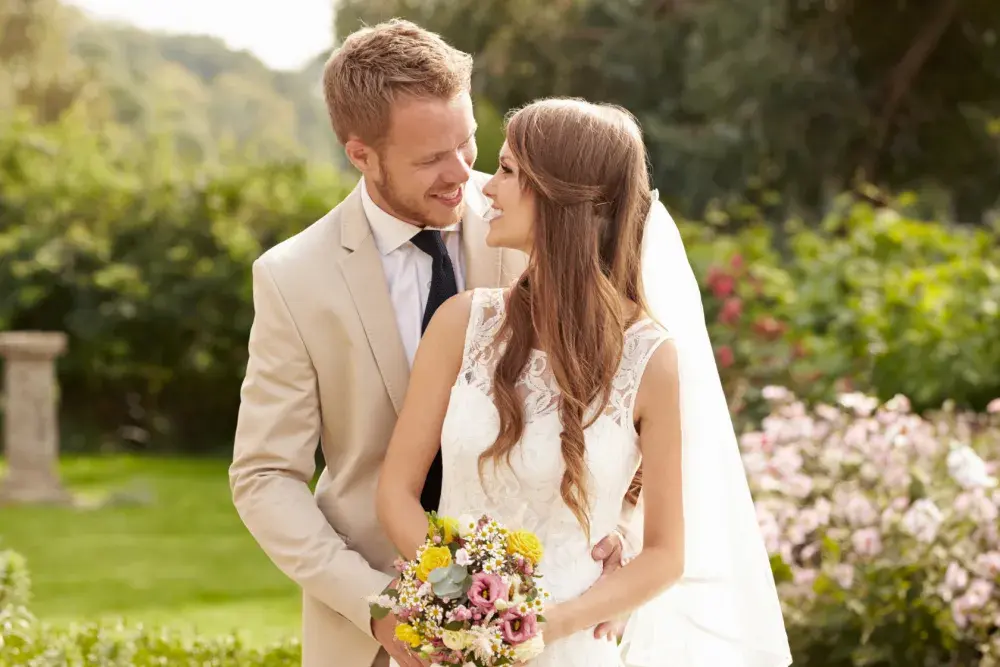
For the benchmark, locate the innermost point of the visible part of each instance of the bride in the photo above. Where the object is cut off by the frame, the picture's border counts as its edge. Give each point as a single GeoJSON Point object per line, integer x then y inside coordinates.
{"type": "Point", "coordinates": [589, 379]}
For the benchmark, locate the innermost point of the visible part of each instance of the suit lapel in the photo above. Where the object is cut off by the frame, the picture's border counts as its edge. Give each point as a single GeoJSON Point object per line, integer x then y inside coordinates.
{"type": "Point", "coordinates": [482, 263]}
{"type": "Point", "coordinates": [366, 281]}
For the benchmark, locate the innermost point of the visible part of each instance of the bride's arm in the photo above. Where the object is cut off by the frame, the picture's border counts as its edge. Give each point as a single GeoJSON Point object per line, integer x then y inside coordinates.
{"type": "Point", "coordinates": [417, 436]}
{"type": "Point", "coordinates": [661, 561]}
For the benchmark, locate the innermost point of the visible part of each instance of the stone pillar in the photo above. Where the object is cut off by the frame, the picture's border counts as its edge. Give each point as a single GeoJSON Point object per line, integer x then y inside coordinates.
{"type": "Point", "coordinates": [31, 426]}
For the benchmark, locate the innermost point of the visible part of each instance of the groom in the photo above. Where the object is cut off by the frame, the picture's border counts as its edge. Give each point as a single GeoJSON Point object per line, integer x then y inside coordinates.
{"type": "Point", "coordinates": [339, 311]}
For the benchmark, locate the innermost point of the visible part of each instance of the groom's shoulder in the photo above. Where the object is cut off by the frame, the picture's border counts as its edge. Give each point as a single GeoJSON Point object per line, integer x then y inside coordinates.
{"type": "Point", "coordinates": [320, 239]}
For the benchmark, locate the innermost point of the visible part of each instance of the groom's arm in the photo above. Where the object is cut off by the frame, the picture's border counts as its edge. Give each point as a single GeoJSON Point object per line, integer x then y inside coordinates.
{"type": "Point", "coordinates": [274, 460]}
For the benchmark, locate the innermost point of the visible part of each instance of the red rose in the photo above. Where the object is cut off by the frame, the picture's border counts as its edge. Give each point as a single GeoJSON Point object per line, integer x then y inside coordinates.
{"type": "Point", "coordinates": [732, 308]}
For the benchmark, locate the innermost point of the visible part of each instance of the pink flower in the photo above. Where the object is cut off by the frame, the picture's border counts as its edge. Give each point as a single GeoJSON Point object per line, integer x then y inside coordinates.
{"type": "Point", "coordinates": [867, 542]}
{"type": "Point", "coordinates": [518, 629]}
{"type": "Point", "coordinates": [732, 308]}
{"type": "Point", "coordinates": [989, 563]}
{"type": "Point", "coordinates": [776, 393]}
{"type": "Point", "coordinates": [955, 578]}
{"type": "Point", "coordinates": [804, 577]}
{"type": "Point", "coordinates": [844, 574]}
{"type": "Point", "coordinates": [923, 519]}
{"type": "Point", "coordinates": [725, 356]}
{"type": "Point", "coordinates": [977, 595]}
{"type": "Point", "coordinates": [720, 283]}
{"type": "Point", "coordinates": [486, 589]}
{"type": "Point", "coordinates": [460, 614]}
{"type": "Point", "coordinates": [993, 407]}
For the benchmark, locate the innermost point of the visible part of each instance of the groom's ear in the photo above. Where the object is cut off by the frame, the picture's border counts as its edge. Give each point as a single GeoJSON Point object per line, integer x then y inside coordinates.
{"type": "Point", "coordinates": [362, 156]}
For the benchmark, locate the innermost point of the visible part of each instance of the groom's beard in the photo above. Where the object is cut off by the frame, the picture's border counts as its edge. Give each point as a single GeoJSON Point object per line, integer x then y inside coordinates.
{"type": "Point", "coordinates": [417, 213]}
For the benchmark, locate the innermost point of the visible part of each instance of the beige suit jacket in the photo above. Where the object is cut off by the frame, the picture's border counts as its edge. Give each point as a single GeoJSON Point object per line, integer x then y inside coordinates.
{"type": "Point", "coordinates": [327, 368]}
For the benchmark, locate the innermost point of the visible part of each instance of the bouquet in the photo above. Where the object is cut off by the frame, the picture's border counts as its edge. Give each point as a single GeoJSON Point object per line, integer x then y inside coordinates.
{"type": "Point", "coordinates": [471, 595]}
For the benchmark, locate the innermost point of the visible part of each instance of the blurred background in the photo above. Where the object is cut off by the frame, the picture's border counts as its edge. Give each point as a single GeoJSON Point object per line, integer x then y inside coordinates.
{"type": "Point", "coordinates": [835, 169]}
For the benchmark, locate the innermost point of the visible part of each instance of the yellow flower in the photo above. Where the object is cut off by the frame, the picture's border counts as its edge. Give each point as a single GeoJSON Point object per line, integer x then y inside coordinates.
{"type": "Point", "coordinates": [431, 559]}
{"type": "Point", "coordinates": [456, 640]}
{"type": "Point", "coordinates": [525, 543]}
{"type": "Point", "coordinates": [449, 529]}
{"type": "Point", "coordinates": [444, 526]}
{"type": "Point", "coordinates": [530, 649]}
{"type": "Point", "coordinates": [408, 635]}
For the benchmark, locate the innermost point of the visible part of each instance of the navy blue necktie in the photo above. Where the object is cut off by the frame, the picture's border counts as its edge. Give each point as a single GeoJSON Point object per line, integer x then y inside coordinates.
{"type": "Point", "coordinates": [443, 287]}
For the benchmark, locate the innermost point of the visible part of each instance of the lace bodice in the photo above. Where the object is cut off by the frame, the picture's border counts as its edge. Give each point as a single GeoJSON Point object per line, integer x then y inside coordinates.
{"type": "Point", "coordinates": [525, 493]}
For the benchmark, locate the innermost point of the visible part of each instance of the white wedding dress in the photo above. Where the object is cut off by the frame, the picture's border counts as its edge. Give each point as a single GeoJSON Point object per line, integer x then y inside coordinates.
{"type": "Point", "coordinates": [724, 611]}
{"type": "Point", "coordinates": [526, 494]}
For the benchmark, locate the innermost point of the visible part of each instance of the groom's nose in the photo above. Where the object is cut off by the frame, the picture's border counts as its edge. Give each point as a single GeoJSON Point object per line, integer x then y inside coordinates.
{"type": "Point", "coordinates": [458, 169]}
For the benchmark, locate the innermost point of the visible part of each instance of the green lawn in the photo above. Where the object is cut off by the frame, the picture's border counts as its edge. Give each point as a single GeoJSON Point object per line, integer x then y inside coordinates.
{"type": "Point", "coordinates": [166, 547]}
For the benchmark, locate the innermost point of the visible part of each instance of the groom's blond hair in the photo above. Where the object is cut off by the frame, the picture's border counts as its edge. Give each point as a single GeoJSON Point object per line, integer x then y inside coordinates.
{"type": "Point", "coordinates": [376, 65]}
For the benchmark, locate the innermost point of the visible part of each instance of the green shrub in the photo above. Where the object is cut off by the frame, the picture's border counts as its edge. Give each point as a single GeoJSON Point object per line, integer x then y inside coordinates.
{"type": "Point", "coordinates": [147, 268]}
{"type": "Point", "coordinates": [919, 301]}
{"type": "Point", "coordinates": [871, 299]}
{"type": "Point", "coordinates": [26, 642]}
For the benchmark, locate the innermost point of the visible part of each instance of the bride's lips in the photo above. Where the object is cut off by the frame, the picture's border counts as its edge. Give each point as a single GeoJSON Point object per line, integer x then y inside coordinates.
{"type": "Point", "coordinates": [492, 214]}
{"type": "Point", "coordinates": [450, 199]}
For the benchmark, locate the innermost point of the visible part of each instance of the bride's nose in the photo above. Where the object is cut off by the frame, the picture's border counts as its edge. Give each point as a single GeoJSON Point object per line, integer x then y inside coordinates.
{"type": "Point", "coordinates": [489, 190]}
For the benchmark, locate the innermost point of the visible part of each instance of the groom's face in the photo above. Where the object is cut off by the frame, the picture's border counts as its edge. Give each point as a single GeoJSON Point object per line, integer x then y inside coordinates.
{"type": "Point", "coordinates": [422, 168]}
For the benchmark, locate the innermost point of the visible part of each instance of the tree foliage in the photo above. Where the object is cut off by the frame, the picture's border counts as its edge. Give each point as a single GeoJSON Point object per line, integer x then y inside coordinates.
{"type": "Point", "coordinates": [207, 99]}
{"type": "Point", "coordinates": [771, 100]}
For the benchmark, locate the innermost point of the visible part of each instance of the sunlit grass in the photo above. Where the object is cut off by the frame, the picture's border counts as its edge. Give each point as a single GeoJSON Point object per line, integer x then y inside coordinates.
{"type": "Point", "coordinates": [161, 545]}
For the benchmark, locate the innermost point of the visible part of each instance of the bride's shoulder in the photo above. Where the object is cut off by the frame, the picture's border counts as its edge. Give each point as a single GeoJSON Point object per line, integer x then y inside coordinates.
{"type": "Point", "coordinates": [453, 318]}
{"type": "Point", "coordinates": [659, 376]}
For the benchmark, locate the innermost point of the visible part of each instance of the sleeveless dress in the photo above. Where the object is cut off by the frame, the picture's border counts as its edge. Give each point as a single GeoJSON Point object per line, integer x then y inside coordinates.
{"type": "Point", "coordinates": [525, 494]}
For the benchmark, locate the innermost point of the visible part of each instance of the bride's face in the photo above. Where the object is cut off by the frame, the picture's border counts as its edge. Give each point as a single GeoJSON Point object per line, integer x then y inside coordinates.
{"type": "Point", "coordinates": [512, 219]}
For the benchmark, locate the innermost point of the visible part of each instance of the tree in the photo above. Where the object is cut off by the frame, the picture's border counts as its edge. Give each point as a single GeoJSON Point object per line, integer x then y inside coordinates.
{"type": "Point", "coordinates": [787, 102]}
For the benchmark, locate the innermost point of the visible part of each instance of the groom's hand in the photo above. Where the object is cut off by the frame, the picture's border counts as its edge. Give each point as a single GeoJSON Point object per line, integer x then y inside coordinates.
{"type": "Point", "coordinates": [609, 551]}
{"type": "Point", "coordinates": [384, 630]}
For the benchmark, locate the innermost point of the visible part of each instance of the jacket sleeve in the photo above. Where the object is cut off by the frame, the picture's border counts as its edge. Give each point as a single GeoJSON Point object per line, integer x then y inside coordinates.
{"type": "Point", "coordinates": [277, 434]}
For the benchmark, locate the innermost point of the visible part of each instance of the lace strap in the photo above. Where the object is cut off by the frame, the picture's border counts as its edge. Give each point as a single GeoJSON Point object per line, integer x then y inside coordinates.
{"type": "Point", "coordinates": [641, 344]}
{"type": "Point", "coordinates": [485, 318]}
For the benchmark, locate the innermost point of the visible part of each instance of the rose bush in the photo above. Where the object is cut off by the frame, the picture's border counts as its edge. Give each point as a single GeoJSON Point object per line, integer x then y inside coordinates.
{"type": "Point", "coordinates": [873, 299]}
{"type": "Point", "coordinates": [883, 529]}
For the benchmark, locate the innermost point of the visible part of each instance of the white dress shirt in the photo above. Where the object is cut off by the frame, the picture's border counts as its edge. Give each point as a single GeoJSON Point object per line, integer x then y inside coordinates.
{"type": "Point", "coordinates": [408, 268]}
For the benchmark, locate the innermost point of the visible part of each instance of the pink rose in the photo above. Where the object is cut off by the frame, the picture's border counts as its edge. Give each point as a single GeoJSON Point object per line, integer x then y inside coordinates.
{"type": "Point", "coordinates": [460, 614]}
{"type": "Point", "coordinates": [518, 629]}
{"type": "Point", "coordinates": [486, 589]}
{"type": "Point", "coordinates": [732, 308]}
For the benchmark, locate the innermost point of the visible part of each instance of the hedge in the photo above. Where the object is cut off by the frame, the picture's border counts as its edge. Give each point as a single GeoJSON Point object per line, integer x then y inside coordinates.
{"type": "Point", "coordinates": [882, 527]}
{"type": "Point", "coordinates": [27, 642]}
{"type": "Point", "coordinates": [147, 266]}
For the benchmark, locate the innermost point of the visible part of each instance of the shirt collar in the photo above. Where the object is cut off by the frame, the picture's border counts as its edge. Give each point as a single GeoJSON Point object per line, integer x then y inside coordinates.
{"type": "Point", "coordinates": [390, 232]}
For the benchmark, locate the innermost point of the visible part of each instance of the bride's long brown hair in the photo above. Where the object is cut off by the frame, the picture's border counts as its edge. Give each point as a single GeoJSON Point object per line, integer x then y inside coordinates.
{"type": "Point", "coordinates": [587, 168]}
